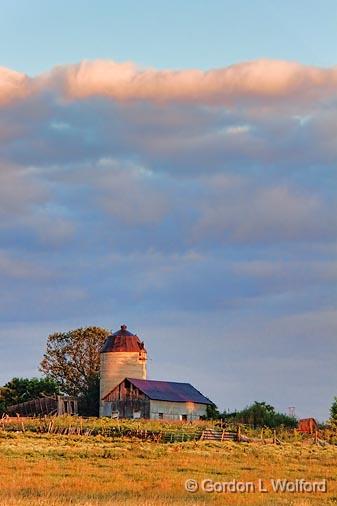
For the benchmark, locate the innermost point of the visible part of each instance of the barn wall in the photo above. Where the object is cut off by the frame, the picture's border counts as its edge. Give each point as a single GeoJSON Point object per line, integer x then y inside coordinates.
{"type": "Point", "coordinates": [125, 390]}
{"type": "Point", "coordinates": [175, 410]}
{"type": "Point", "coordinates": [115, 366]}
{"type": "Point", "coordinates": [129, 408]}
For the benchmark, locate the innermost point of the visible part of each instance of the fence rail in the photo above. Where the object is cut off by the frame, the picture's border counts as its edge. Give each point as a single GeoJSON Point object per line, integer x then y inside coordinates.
{"type": "Point", "coordinates": [173, 433]}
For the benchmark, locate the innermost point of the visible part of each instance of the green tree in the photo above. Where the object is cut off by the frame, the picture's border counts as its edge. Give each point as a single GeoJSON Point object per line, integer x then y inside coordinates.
{"type": "Point", "coordinates": [333, 410]}
{"type": "Point", "coordinates": [261, 414]}
{"type": "Point", "coordinates": [3, 391]}
{"type": "Point", "coordinates": [212, 412]}
{"type": "Point", "coordinates": [25, 389]}
{"type": "Point", "coordinates": [72, 361]}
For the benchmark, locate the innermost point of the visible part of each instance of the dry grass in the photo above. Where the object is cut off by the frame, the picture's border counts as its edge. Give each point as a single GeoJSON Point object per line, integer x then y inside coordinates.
{"type": "Point", "coordinates": [48, 470]}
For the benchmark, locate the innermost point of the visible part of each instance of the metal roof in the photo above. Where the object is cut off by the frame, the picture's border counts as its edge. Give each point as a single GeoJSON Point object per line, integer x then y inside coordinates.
{"type": "Point", "coordinates": [169, 391]}
{"type": "Point", "coordinates": [122, 340]}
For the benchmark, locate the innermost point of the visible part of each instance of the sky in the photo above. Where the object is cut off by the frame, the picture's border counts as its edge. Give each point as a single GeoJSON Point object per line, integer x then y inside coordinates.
{"type": "Point", "coordinates": [172, 166]}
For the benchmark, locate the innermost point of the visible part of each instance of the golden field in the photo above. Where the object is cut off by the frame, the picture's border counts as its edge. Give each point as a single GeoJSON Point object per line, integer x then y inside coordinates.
{"type": "Point", "coordinates": [51, 469]}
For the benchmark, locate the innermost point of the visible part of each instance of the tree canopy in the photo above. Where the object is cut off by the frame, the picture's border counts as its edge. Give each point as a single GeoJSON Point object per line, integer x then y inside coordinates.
{"type": "Point", "coordinates": [333, 410]}
{"type": "Point", "coordinates": [72, 361]}
{"type": "Point", "coordinates": [261, 414]}
{"type": "Point", "coordinates": [25, 389]}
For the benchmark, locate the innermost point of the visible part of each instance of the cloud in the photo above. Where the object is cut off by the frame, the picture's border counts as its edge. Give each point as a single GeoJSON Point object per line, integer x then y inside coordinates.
{"type": "Point", "coordinates": [20, 269]}
{"type": "Point", "coordinates": [260, 79]}
{"type": "Point", "coordinates": [129, 193]}
{"type": "Point", "coordinates": [13, 85]}
{"type": "Point", "coordinates": [265, 79]}
{"type": "Point", "coordinates": [26, 206]}
{"type": "Point", "coordinates": [20, 190]}
{"type": "Point", "coordinates": [169, 135]}
{"type": "Point", "coordinates": [249, 213]}
{"type": "Point", "coordinates": [185, 203]}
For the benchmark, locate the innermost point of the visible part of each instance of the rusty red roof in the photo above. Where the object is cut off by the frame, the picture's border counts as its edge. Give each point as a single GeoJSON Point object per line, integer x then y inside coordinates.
{"type": "Point", "coordinates": [122, 340]}
{"type": "Point", "coordinates": [169, 391]}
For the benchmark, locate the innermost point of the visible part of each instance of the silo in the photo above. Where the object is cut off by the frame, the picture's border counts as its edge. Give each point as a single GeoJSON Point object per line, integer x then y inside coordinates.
{"type": "Point", "coordinates": [122, 355]}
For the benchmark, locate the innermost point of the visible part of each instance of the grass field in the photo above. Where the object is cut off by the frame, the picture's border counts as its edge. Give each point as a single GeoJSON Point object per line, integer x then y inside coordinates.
{"type": "Point", "coordinates": [49, 469]}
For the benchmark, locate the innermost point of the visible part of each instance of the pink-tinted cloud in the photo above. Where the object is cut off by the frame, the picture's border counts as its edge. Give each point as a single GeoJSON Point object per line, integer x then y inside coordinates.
{"type": "Point", "coordinates": [13, 85]}
{"type": "Point", "coordinates": [261, 79]}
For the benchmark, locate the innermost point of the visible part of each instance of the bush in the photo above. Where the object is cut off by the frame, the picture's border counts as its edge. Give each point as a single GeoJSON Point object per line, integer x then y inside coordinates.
{"type": "Point", "coordinates": [260, 414]}
{"type": "Point", "coordinates": [25, 389]}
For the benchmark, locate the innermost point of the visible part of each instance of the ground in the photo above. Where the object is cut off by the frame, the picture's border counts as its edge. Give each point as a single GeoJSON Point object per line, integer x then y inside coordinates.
{"type": "Point", "coordinates": [50, 469]}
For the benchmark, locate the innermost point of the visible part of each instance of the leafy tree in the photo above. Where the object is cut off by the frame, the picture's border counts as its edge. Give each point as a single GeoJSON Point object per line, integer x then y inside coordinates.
{"type": "Point", "coordinates": [25, 389]}
{"type": "Point", "coordinates": [212, 412]}
{"type": "Point", "coordinates": [3, 391]}
{"type": "Point", "coordinates": [260, 414]}
{"type": "Point", "coordinates": [333, 410]}
{"type": "Point", "coordinates": [72, 361]}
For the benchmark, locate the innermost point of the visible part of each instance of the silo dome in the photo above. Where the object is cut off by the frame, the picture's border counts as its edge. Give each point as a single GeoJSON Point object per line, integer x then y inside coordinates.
{"type": "Point", "coordinates": [122, 340]}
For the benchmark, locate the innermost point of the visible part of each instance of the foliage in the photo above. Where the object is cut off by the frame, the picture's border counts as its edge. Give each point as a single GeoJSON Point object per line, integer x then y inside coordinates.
{"type": "Point", "coordinates": [72, 360]}
{"type": "Point", "coordinates": [148, 430]}
{"type": "Point", "coordinates": [212, 412]}
{"type": "Point", "coordinates": [88, 404]}
{"type": "Point", "coordinates": [333, 410]}
{"type": "Point", "coordinates": [260, 414]}
{"type": "Point", "coordinates": [112, 428]}
{"type": "Point", "coordinates": [25, 389]}
{"type": "Point", "coordinates": [3, 391]}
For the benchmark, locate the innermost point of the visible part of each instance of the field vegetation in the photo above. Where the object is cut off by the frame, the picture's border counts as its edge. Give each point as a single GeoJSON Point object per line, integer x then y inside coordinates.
{"type": "Point", "coordinates": [111, 465]}
{"type": "Point", "coordinates": [152, 430]}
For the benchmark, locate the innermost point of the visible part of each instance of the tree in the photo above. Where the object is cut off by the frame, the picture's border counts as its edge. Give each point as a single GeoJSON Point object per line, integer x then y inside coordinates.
{"type": "Point", "coordinates": [3, 392]}
{"type": "Point", "coordinates": [212, 412]}
{"type": "Point", "coordinates": [260, 414]}
{"type": "Point", "coordinates": [72, 361]}
{"type": "Point", "coordinates": [25, 389]}
{"type": "Point", "coordinates": [333, 410]}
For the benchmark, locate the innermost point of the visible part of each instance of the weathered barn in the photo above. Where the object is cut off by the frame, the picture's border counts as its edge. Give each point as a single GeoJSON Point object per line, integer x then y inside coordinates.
{"type": "Point", "coordinates": [139, 398]}
{"type": "Point", "coordinates": [307, 425]}
{"type": "Point", "coordinates": [123, 354]}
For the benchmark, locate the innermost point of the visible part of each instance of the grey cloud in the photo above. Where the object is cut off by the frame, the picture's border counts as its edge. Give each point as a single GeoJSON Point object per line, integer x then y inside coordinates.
{"type": "Point", "coordinates": [250, 213]}
{"type": "Point", "coordinates": [205, 225]}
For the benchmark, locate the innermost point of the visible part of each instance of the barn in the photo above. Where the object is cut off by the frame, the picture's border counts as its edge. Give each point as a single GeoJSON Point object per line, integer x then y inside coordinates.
{"type": "Point", "coordinates": [166, 400]}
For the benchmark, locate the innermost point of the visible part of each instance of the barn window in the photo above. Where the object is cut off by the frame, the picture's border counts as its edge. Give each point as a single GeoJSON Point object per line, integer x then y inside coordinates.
{"type": "Point", "coordinates": [161, 415]}
{"type": "Point", "coordinates": [183, 418]}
